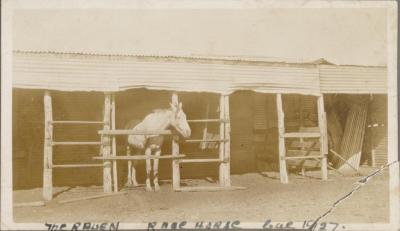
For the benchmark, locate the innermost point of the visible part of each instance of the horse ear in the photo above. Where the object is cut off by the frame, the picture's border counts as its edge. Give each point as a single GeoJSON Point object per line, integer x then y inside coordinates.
{"type": "Point", "coordinates": [173, 107]}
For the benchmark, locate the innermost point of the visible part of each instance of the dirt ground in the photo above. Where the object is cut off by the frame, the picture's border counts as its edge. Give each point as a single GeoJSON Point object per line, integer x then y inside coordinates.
{"type": "Point", "coordinates": [304, 198]}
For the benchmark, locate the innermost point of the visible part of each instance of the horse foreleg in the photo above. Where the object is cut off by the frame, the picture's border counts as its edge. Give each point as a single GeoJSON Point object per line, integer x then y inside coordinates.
{"type": "Point", "coordinates": [129, 182]}
{"type": "Point", "coordinates": [131, 170]}
{"type": "Point", "coordinates": [134, 181]}
{"type": "Point", "coordinates": [148, 170]}
{"type": "Point", "coordinates": [155, 171]}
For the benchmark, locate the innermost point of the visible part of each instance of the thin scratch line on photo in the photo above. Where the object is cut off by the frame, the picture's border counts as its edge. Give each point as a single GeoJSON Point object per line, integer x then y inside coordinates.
{"type": "Point", "coordinates": [359, 184]}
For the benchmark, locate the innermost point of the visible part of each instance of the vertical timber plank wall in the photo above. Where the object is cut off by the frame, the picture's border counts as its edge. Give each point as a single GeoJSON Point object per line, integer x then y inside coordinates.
{"type": "Point", "coordinates": [221, 145]}
{"type": "Point", "coordinates": [323, 138]}
{"type": "Point", "coordinates": [106, 145]}
{"type": "Point", "coordinates": [282, 150]}
{"type": "Point", "coordinates": [48, 148]}
{"type": "Point", "coordinates": [227, 151]}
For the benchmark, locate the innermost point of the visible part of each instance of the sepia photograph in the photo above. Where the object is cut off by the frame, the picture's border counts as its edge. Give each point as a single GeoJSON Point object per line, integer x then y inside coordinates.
{"type": "Point", "coordinates": [166, 115]}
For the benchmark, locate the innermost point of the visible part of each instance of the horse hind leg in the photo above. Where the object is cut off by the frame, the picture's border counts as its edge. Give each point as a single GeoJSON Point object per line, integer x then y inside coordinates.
{"type": "Point", "coordinates": [155, 170]}
{"type": "Point", "coordinates": [148, 170]}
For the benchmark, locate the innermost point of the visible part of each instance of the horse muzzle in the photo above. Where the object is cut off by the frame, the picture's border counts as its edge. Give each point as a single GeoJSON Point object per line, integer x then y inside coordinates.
{"type": "Point", "coordinates": [185, 133]}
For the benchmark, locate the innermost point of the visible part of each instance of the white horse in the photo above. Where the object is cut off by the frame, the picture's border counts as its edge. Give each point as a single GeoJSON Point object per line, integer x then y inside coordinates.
{"type": "Point", "coordinates": [160, 119]}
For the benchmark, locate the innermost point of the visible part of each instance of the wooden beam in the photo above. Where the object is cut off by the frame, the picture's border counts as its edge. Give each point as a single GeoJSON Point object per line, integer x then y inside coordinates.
{"type": "Point", "coordinates": [91, 197]}
{"type": "Point", "coordinates": [303, 157]}
{"type": "Point", "coordinates": [106, 145]}
{"type": "Point", "coordinates": [29, 204]}
{"type": "Point", "coordinates": [138, 157]}
{"type": "Point", "coordinates": [302, 153]}
{"type": "Point", "coordinates": [323, 140]}
{"type": "Point", "coordinates": [200, 160]}
{"type": "Point", "coordinates": [131, 132]}
{"type": "Point", "coordinates": [282, 151]}
{"type": "Point", "coordinates": [345, 161]}
{"type": "Point", "coordinates": [48, 148]}
{"type": "Point", "coordinates": [222, 137]}
{"type": "Point", "coordinates": [201, 140]}
{"type": "Point", "coordinates": [76, 122]}
{"type": "Point", "coordinates": [208, 120]}
{"type": "Point", "coordinates": [302, 135]}
{"type": "Point", "coordinates": [227, 144]}
{"type": "Point", "coordinates": [114, 145]}
{"type": "Point", "coordinates": [76, 143]}
{"type": "Point", "coordinates": [304, 144]}
{"type": "Point", "coordinates": [308, 163]}
{"type": "Point", "coordinates": [77, 165]}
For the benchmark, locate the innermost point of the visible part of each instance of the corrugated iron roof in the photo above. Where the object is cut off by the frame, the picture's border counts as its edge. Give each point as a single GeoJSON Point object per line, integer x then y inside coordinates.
{"type": "Point", "coordinates": [243, 60]}
{"type": "Point", "coordinates": [253, 60]}
{"type": "Point", "coordinates": [110, 72]}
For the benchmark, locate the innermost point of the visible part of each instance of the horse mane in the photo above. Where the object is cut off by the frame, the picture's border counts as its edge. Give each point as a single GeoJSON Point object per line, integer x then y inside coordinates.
{"type": "Point", "coordinates": [161, 110]}
{"type": "Point", "coordinates": [132, 123]}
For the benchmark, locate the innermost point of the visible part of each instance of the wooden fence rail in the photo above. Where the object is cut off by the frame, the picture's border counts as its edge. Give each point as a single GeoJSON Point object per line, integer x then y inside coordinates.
{"type": "Point", "coordinates": [131, 132]}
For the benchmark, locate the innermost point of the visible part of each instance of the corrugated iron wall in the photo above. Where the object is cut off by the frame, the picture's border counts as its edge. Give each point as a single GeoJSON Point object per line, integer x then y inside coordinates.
{"type": "Point", "coordinates": [353, 80]}
{"type": "Point", "coordinates": [378, 129]}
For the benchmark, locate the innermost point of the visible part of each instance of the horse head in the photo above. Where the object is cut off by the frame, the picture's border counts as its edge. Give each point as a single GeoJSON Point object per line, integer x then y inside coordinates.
{"type": "Point", "coordinates": [179, 121]}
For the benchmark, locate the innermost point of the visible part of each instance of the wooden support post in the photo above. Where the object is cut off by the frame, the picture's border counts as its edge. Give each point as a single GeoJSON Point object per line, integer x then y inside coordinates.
{"type": "Point", "coordinates": [282, 149]}
{"type": "Point", "coordinates": [323, 139]}
{"type": "Point", "coordinates": [176, 179]}
{"type": "Point", "coordinates": [48, 148]}
{"type": "Point", "coordinates": [106, 146]}
{"type": "Point", "coordinates": [222, 136]}
{"type": "Point", "coordinates": [114, 145]}
{"type": "Point", "coordinates": [303, 168]}
{"type": "Point", "coordinates": [227, 151]}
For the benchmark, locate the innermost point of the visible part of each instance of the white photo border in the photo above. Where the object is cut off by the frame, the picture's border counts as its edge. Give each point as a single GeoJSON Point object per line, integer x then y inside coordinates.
{"type": "Point", "coordinates": [9, 6]}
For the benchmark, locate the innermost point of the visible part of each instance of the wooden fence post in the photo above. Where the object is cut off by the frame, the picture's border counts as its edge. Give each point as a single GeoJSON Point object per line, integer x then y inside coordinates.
{"type": "Point", "coordinates": [114, 145]}
{"type": "Point", "coordinates": [222, 145]}
{"type": "Point", "coordinates": [282, 149]}
{"type": "Point", "coordinates": [227, 151]}
{"type": "Point", "coordinates": [48, 148]}
{"type": "Point", "coordinates": [106, 145]}
{"type": "Point", "coordinates": [323, 138]}
{"type": "Point", "coordinates": [176, 180]}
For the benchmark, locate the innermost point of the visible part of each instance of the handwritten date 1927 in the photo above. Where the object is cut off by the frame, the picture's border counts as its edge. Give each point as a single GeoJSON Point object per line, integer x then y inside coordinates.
{"type": "Point", "coordinates": [323, 226]}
